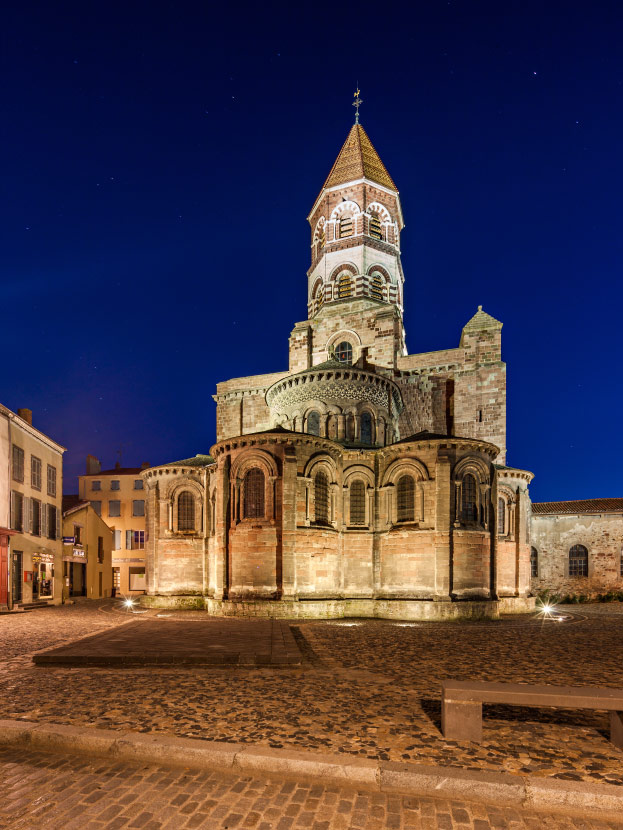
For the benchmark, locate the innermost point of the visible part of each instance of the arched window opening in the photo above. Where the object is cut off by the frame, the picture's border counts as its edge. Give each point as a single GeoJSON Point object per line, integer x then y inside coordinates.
{"type": "Point", "coordinates": [321, 498]}
{"type": "Point", "coordinates": [358, 503]}
{"type": "Point", "coordinates": [578, 561]}
{"type": "Point", "coordinates": [344, 285]}
{"type": "Point", "coordinates": [346, 226]}
{"type": "Point", "coordinates": [376, 287]}
{"type": "Point", "coordinates": [318, 297]}
{"type": "Point", "coordinates": [405, 499]}
{"type": "Point", "coordinates": [469, 500]}
{"type": "Point", "coordinates": [344, 352]}
{"type": "Point", "coordinates": [320, 239]}
{"type": "Point", "coordinates": [375, 227]}
{"type": "Point", "coordinates": [501, 517]}
{"type": "Point", "coordinates": [366, 428]}
{"type": "Point", "coordinates": [313, 423]}
{"type": "Point", "coordinates": [253, 494]}
{"type": "Point", "coordinates": [185, 511]}
{"type": "Point", "coordinates": [350, 428]}
{"type": "Point", "coordinates": [534, 562]}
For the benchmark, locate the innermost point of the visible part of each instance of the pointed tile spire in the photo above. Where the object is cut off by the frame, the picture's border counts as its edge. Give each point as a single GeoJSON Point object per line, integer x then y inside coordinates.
{"type": "Point", "coordinates": [358, 160]}
{"type": "Point", "coordinates": [481, 320]}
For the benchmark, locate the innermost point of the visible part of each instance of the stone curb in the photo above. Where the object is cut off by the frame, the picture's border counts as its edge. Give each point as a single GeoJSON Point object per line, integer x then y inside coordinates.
{"type": "Point", "coordinates": [522, 792]}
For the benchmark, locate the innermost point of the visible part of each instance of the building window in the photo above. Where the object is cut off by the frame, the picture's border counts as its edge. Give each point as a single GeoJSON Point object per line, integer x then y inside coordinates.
{"type": "Point", "coordinates": [405, 499]}
{"type": "Point", "coordinates": [344, 352]}
{"type": "Point", "coordinates": [346, 226]}
{"type": "Point", "coordinates": [469, 501]}
{"type": "Point", "coordinates": [35, 472]}
{"type": "Point", "coordinates": [501, 517]}
{"type": "Point", "coordinates": [100, 550]}
{"type": "Point", "coordinates": [18, 463]}
{"type": "Point", "coordinates": [116, 540]}
{"type": "Point", "coordinates": [51, 480]}
{"type": "Point", "coordinates": [138, 483]}
{"type": "Point", "coordinates": [114, 508]}
{"type": "Point", "coordinates": [366, 428]}
{"type": "Point", "coordinates": [52, 521]}
{"type": "Point", "coordinates": [97, 506]}
{"type": "Point", "coordinates": [138, 507]}
{"type": "Point", "coordinates": [17, 511]}
{"type": "Point", "coordinates": [186, 511]}
{"type": "Point", "coordinates": [35, 517]}
{"type": "Point", "coordinates": [344, 285]}
{"type": "Point", "coordinates": [253, 494]}
{"type": "Point", "coordinates": [358, 503]}
{"type": "Point", "coordinates": [116, 581]}
{"type": "Point", "coordinates": [375, 227]}
{"type": "Point", "coordinates": [578, 561]}
{"type": "Point", "coordinates": [96, 485]}
{"type": "Point", "coordinates": [313, 423]}
{"type": "Point", "coordinates": [78, 534]}
{"type": "Point", "coordinates": [115, 484]}
{"type": "Point", "coordinates": [376, 287]}
{"type": "Point", "coordinates": [138, 540]}
{"type": "Point", "coordinates": [321, 499]}
{"type": "Point", "coordinates": [534, 563]}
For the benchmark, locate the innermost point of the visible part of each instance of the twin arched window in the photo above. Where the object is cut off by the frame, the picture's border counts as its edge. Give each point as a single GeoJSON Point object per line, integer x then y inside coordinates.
{"type": "Point", "coordinates": [253, 494]}
{"type": "Point", "coordinates": [405, 499]}
{"type": "Point", "coordinates": [358, 502]}
{"type": "Point", "coordinates": [376, 287]}
{"type": "Point", "coordinates": [469, 499]}
{"type": "Point", "coordinates": [186, 511]}
{"type": "Point", "coordinates": [534, 562]}
{"type": "Point", "coordinates": [321, 499]}
{"type": "Point", "coordinates": [344, 285]}
{"type": "Point", "coordinates": [578, 561]}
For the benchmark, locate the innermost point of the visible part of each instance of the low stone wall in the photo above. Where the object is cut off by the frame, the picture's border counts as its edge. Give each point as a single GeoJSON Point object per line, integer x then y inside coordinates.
{"type": "Point", "coordinates": [348, 608]}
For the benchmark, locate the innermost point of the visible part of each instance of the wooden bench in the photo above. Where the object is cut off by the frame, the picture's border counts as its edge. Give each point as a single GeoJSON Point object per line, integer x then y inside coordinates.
{"type": "Point", "coordinates": [461, 704]}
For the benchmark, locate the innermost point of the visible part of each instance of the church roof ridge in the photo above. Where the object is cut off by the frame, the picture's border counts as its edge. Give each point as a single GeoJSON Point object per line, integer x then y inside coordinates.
{"type": "Point", "coordinates": [481, 320]}
{"type": "Point", "coordinates": [358, 159]}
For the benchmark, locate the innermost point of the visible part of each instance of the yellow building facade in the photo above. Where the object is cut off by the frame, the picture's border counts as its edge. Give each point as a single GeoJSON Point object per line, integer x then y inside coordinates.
{"type": "Point", "coordinates": [31, 488]}
{"type": "Point", "coordinates": [87, 552]}
{"type": "Point", "coordinates": [117, 496]}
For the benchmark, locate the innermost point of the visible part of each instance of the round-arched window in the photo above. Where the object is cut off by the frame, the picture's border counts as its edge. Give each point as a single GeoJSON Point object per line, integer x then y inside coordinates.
{"type": "Point", "coordinates": [313, 423]}
{"type": "Point", "coordinates": [578, 561]}
{"type": "Point", "coordinates": [344, 352]}
{"type": "Point", "coordinates": [405, 497]}
{"type": "Point", "coordinates": [534, 563]}
{"type": "Point", "coordinates": [366, 428]}
{"type": "Point", "coordinates": [186, 511]}
{"type": "Point", "coordinates": [469, 499]}
{"type": "Point", "coordinates": [253, 494]}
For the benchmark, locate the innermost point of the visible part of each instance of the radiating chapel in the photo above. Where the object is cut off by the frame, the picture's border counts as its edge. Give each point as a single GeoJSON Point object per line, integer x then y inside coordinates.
{"type": "Point", "coordinates": [363, 480]}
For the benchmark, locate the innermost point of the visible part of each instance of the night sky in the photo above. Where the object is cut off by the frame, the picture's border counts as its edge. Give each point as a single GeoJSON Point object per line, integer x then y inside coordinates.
{"type": "Point", "coordinates": [160, 160]}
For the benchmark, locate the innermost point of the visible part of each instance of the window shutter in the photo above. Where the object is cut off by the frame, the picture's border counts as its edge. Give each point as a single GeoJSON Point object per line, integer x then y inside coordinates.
{"type": "Point", "coordinates": [31, 515]}
{"type": "Point", "coordinates": [44, 519]}
{"type": "Point", "coordinates": [13, 510]}
{"type": "Point", "coordinates": [128, 540]}
{"type": "Point", "coordinates": [58, 524]}
{"type": "Point", "coordinates": [26, 507]}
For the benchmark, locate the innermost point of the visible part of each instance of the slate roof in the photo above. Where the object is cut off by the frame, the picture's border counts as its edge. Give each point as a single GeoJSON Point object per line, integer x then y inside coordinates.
{"type": "Point", "coordinates": [358, 160]}
{"type": "Point", "coordinates": [71, 502]}
{"type": "Point", "coordinates": [198, 460]}
{"type": "Point", "coordinates": [580, 506]}
{"type": "Point", "coordinates": [481, 320]}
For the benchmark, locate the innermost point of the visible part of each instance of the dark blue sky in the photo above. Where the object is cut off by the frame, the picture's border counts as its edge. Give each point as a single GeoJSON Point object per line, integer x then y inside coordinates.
{"type": "Point", "coordinates": [160, 160]}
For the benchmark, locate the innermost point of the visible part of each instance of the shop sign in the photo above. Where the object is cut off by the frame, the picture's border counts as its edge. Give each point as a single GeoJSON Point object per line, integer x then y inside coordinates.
{"type": "Point", "coordinates": [47, 558]}
{"type": "Point", "coordinates": [69, 540]}
{"type": "Point", "coordinates": [80, 553]}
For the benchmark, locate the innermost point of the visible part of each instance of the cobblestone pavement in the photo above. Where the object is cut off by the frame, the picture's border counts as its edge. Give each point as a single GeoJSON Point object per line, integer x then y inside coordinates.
{"type": "Point", "coordinates": [70, 793]}
{"type": "Point", "coordinates": [368, 688]}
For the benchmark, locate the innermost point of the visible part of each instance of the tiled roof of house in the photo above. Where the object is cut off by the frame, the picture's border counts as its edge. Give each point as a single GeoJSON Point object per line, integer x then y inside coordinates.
{"type": "Point", "coordinates": [358, 160]}
{"type": "Point", "coordinates": [580, 506]}
{"type": "Point", "coordinates": [72, 501]}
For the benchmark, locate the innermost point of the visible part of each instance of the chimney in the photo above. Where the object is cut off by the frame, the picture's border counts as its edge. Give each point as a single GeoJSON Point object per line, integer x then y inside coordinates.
{"type": "Point", "coordinates": [93, 465]}
{"type": "Point", "coordinates": [26, 415]}
{"type": "Point", "coordinates": [145, 465]}
{"type": "Point", "coordinates": [117, 465]}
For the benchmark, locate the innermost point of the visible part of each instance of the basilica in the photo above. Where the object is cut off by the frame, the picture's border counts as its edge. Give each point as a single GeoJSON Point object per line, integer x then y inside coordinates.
{"type": "Point", "coordinates": [363, 481]}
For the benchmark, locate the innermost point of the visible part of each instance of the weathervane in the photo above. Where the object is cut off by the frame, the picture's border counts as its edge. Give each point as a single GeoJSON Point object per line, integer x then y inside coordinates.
{"type": "Point", "coordinates": [357, 103]}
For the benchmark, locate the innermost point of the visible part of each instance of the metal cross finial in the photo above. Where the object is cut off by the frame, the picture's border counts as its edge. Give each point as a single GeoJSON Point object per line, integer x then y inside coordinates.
{"type": "Point", "coordinates": [357, 103]}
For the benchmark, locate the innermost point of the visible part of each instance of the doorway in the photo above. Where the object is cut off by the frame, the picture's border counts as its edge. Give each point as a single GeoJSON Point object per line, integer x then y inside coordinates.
{"type": "Point", "coordinates": [16, 576]}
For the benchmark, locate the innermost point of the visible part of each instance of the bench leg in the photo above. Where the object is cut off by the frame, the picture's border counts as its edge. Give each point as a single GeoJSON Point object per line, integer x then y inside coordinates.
{"type": "Point", "coordinates": [616, 729]}
{"type": "Point", "coordinates": [461, 721]}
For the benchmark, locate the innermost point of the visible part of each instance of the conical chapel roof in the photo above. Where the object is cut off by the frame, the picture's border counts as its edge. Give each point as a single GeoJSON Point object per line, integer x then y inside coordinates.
{"type": "Point", "coordinates": [481, 320]}
{"type": "Point", "coordinates": [358, 160]}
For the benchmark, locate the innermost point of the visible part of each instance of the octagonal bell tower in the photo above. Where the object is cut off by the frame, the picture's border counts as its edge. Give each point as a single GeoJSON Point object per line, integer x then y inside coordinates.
{"type": "Point", "coordinates": [355, 282]}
